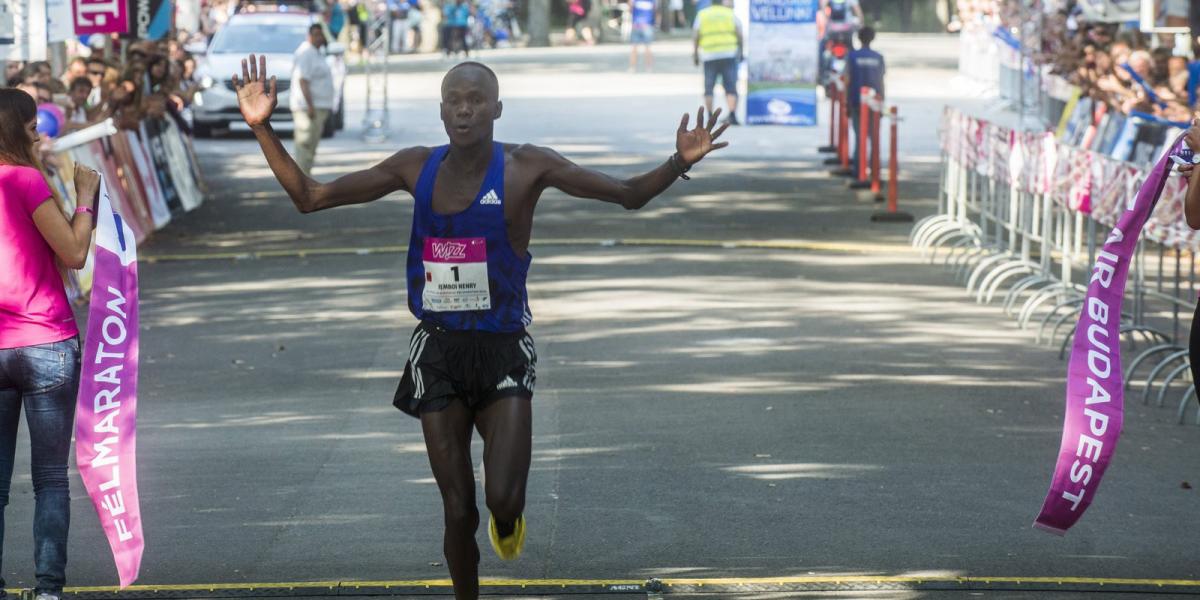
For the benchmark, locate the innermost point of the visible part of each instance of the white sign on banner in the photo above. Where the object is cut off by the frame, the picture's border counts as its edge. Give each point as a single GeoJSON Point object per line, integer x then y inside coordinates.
{"type": "Point", "coordinates": [7, 26]}
{"type": "Point", "coordinates": [22, 29]}
{"type": "Point", "coordinates": [60, 25]}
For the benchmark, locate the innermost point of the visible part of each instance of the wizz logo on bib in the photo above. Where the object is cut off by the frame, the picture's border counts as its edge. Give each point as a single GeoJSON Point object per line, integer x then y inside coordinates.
{"type": "Point", "coordinates": [490, 198]}
{"type": "Point", "coordinates": [449, 250]}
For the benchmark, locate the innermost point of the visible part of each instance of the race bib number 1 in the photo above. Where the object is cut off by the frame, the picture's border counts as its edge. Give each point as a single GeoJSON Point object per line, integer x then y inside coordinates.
{"type": "Point", "coordinates": [456, 275]}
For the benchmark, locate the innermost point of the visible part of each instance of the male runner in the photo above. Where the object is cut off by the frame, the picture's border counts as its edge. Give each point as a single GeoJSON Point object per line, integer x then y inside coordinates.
{"type": "Point", "coordinates": [471, 363]}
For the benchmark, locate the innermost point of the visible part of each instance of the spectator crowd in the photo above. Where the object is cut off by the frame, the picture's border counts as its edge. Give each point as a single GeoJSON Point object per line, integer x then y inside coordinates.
{"type": "Point", "coordinates": [1113, 63]}
{"type": "Point", "coordinates": [151, 80]}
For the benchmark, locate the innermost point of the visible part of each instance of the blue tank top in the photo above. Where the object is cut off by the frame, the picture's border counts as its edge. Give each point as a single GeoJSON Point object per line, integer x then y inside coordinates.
{"type": "Point", "coordinates": [463, 273]}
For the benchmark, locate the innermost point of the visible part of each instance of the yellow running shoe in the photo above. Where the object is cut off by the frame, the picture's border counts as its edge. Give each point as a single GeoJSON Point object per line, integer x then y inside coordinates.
{"type": "Point", "coordinates": [507, 548]}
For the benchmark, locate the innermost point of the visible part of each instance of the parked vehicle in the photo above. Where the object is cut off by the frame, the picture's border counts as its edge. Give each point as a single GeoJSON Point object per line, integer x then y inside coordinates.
{"type": "Point", "coordinates": [275, 34]}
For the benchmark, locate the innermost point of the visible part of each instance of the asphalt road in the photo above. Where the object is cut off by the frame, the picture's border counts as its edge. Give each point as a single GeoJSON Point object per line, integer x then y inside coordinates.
{"type": "Point", "coordinates": [830, 407]}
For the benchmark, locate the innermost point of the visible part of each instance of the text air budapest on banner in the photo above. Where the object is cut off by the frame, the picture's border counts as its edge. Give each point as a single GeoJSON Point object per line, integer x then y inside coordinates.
{"type": "Point", "coordinates": [782, 63]}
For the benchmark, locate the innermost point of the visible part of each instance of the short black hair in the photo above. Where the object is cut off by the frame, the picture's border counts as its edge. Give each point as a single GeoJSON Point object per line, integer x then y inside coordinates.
{"type": "Point", "coordinates": [81, 82]}
{"type": "Point", "coordinates": [471, 63]}
{"type": "Point", "coordinates": [315, 27]}
{"type": "Point", "coordinates": [866, 35]}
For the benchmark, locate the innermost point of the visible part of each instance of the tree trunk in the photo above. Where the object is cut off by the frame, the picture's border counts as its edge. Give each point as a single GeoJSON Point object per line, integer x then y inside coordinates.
{"type": "Point", "coordinates": [539, 22]}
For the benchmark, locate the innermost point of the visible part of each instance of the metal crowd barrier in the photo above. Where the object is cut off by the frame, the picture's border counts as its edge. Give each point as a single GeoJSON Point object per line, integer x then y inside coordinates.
{"type": "Point", "coordinates": [1021, 215]}
{"type": "Point", "coordinates": [979, 58]}
{"type": "Point", "coordinates": [376, 118]}
{"type": "Point", "coordinates": [994, 60]}
{"type": "Point", "coordinates": [152, 174]}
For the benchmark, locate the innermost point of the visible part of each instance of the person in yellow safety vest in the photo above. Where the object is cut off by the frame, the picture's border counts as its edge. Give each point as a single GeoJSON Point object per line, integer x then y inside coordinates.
{"type": "Point", "coordinates": [718, 44]}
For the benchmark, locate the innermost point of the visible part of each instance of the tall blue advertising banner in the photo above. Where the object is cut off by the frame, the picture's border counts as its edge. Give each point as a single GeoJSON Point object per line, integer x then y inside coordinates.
{"type": "Point", "coordinates": [782, 63]}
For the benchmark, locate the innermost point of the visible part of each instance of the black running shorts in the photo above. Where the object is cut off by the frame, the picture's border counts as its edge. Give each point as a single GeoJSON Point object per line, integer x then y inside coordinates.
{"type": "Point", "coordinates": [475, 366]}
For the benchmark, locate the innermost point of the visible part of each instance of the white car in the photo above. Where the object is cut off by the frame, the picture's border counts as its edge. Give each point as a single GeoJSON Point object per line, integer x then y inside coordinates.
{"type": "Point", "coordinates": [275, 35]}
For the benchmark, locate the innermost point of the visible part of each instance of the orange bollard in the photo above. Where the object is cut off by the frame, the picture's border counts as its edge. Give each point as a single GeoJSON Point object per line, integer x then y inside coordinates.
{"type": "Point", "coordinates": [865, 111]}
{"type": "Point", "coordinates": [839, 143]}
{"type": "Point", "coordinates": [843, 139]}
{"type": "Point", "coordinates": [844, 133]}
{"type": "Point", "coordinates": [875, 152]}
{"type": "Point", "coordinates": [893, 214]}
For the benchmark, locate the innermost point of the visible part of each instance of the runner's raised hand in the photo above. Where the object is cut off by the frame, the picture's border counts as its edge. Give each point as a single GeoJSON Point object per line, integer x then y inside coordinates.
{"type": "Point", "coordinates": [256, 96]}
{"type": "Point", "coordinates": [694, 144]}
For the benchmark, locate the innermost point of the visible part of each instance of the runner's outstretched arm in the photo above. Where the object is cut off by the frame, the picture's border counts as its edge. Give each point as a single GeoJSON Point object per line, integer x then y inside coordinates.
{"type": "Point", "coordinates": [691, 146]}
{"type": "Point", "coordinates": [257, 100]}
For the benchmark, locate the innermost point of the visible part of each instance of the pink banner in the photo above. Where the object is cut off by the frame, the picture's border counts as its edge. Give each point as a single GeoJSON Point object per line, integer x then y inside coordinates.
{"type": "Point", "coordinates": [1095, 390]}
{"type": "Point", "coordinates": [106, 416]}
{"type": "Point", "coordinates": [100, 16]}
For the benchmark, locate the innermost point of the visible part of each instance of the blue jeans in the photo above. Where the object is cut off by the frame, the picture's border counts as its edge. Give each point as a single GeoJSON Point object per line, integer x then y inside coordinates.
{"type": "Point", "coordinates": [45, 378]}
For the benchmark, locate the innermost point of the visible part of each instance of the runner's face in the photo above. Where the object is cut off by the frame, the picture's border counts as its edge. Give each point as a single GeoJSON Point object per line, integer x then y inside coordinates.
{"type": "Point", "coordinates": [469, 106]}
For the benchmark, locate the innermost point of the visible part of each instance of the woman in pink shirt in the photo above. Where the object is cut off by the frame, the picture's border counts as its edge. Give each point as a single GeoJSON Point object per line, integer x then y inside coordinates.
{"type": "Point", "coordinates": [39, 342]}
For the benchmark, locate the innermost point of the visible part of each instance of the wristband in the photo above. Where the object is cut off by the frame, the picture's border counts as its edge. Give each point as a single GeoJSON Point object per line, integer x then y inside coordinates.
{"type": "Point", "coordinates": [85, 209]}
{"type": "Point", "coordinates": [677, 164]}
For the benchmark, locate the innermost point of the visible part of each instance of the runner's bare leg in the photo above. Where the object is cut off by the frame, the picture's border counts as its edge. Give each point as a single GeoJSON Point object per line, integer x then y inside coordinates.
{"type": "Point", "coordinates": [448, 441]}
{"type": "Point", "coordinates": [506, 426]}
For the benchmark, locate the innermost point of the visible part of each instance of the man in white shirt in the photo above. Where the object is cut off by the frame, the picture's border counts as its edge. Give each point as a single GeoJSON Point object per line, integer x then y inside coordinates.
{"type": "Point", "coordinates": [311, 98]}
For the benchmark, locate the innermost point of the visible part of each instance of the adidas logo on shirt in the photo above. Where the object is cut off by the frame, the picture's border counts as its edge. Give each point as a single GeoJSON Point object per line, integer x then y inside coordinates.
{"type": "Point", "coordinates": [507, 383]}
{"type": "Point", "coordinates": [490, 198]}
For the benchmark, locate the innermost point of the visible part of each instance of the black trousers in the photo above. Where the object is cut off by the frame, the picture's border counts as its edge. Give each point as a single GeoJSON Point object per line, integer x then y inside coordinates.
{"type": "Point", "coordinates": [1194, 349]}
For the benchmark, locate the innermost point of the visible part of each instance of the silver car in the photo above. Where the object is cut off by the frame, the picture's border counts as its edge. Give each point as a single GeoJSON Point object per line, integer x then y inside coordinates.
{"type": "Point", "coordinates": [276, 35]}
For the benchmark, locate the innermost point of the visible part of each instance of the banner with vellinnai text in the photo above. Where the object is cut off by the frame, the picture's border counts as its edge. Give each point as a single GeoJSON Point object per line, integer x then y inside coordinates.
{"type": "Point", "coordinates": [1095, 390]}
{"type": "Point", "coordinates": [782, 63]}
{"type": "Point", "coordinates": [106, 412]}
